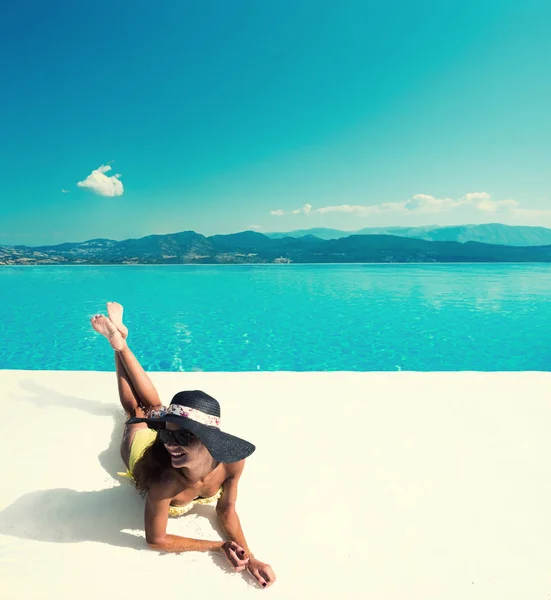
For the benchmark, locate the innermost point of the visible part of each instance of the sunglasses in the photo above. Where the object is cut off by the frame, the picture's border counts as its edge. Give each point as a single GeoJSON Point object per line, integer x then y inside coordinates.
{"type": "Point", "coordinates": [180, 437]}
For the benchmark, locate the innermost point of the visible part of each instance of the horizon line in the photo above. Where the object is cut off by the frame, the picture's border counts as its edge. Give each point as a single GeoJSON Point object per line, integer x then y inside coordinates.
{"type": "Point", "coordinates": [351, 231]}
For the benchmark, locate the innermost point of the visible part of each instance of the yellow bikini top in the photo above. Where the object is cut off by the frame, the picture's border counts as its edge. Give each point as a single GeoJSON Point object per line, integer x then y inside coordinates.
{"type": "Point", "coordinates": [178, 511]}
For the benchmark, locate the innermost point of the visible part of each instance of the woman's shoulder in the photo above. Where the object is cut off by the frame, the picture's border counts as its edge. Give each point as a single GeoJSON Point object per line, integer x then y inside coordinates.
{"type": "Point", "coordinates": [234, 470]}
{"type": "Point", "coordinates": [167, 482]}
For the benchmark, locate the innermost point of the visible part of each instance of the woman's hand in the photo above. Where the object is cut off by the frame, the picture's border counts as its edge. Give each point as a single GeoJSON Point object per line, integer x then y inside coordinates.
{"type": "Point", "coordinates": [236, 555]}
{"type": "Point", "coordinates": [262, 572]}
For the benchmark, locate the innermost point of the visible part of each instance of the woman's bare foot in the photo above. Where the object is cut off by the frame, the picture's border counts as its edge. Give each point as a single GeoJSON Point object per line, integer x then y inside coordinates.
{"type": "Point", "coordinates": [104, 326]}
{"type": "Point", "coordinates": [115, 310]}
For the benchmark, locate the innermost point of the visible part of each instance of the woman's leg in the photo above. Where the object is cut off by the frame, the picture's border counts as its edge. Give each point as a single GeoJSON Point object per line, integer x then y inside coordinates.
{"type": "Point", "coordinates": [134, 383]}
{"type": "Point", "coordinates": [135, 387]}
{"type": "Point", "coordinates": [136, 391]}
{"type": "Point", "coordinates": [127, 395]}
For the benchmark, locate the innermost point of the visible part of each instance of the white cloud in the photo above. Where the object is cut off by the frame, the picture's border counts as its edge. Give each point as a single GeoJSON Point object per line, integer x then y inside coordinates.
{"type": "Point", "coordinates": [345, 208]}
{"type": "Point", "coordinates": [531, 214]}
{"type": "Point", "coordinates": [277, 213]}
{"type": "Point", "coordinates": [305, 210]}
{"type": "Point", "coordinates": [102, 184]}
{"type": "Point", "coordinates": [474, 196]}
{"type": "Point", "coordinates": [255, 227]}
{"type": "Point", "coordinates": [65, 191]}
{"type": "Point", "coordinates": [362, 210]}
{"type": "Point", "coordinates": [420, 204]}
{"type": "Point", "coordinates": [426, 203]}
{"type": "Point", "coordinates": [481, 201]}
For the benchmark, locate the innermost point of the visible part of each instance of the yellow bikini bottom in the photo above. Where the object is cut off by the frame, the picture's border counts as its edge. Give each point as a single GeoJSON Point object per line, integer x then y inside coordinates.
{"type": "Point", "coordinates": [142, 440]}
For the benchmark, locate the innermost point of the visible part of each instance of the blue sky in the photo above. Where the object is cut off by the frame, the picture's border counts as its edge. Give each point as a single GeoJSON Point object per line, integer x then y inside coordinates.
{"type": "Point", "coordinates": [273, 115]}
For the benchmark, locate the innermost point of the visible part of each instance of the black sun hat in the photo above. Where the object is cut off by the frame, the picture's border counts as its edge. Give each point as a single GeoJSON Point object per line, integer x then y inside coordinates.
{"type": "Point", "coordinates": [199, 413]}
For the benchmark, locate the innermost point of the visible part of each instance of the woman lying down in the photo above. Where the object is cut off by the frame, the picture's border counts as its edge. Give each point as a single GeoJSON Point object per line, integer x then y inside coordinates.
{"type": "Point", "coordinates": [178, 456]}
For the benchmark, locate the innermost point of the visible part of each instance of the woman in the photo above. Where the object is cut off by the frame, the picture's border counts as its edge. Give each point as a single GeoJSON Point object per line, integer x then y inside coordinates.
{"type": "Point", "coordinates": [178, 456]}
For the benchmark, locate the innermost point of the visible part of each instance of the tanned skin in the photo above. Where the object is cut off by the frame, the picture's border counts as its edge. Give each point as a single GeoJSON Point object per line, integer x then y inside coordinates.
{"type": "Point", "coordinates": [192, 474]}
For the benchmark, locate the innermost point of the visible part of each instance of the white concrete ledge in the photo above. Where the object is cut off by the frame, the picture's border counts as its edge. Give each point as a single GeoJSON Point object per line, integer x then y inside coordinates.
{"type": "Point", "coordinates": [371, 485]}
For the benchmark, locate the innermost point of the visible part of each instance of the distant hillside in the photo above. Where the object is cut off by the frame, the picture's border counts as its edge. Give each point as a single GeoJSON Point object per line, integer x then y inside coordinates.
{"type": "Point", "coordinates": [492, 233]}
{"type": "Point", "coordinates": [189, 247]}
{"type": "Point", "coordinates": [320, 232]}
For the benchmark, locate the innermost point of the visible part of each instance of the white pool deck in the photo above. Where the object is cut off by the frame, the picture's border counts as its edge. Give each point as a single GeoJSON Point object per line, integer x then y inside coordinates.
{"type": "Point", "coordinates": [371, 485]}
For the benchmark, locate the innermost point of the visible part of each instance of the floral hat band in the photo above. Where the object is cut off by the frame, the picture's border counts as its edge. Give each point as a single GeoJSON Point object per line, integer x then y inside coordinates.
{"type": "Point", "coordinates": [199, 413]}
{"type": "Point", "coordinates": [189, 413]}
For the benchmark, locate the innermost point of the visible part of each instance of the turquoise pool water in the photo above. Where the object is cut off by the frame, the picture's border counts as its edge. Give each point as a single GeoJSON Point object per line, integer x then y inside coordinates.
{"type": "Point", "coordinates": [282, 317]}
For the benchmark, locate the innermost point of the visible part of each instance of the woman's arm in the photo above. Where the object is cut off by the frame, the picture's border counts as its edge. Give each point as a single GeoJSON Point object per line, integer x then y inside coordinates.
{"type": "Point", "coordinates": [229, 519]}
{"type": "Point", "coordinates": [156, 518]}
{"type": "Point", "coordinates": [225, 507]}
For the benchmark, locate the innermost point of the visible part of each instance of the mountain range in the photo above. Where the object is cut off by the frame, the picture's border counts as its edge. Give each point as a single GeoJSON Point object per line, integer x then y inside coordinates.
{"type": "Point", "coordinates": [189, 247]}
{"type": "Point", "coordinates": [491, 233]}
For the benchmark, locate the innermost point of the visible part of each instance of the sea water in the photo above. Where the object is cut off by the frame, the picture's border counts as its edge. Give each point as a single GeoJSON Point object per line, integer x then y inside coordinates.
{"type": "Point", "coordinates": [359, 317]}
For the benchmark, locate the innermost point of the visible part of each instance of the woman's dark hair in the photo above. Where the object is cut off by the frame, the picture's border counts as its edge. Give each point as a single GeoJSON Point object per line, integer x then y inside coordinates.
{"type": "Point", "coordinates": [150, 466]}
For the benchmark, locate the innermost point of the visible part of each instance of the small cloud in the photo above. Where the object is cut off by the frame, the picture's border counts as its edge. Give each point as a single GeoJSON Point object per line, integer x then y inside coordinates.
{"type": "Point", "coordinates": [305, 210]}
{"type": "Point", "coordinates": [65, 191]}
{"type": "Point", "coordinates": [512, 206]}
{"type": "Point", "coordinates": [345, 208]}
{"type": "Point", "coordinates": [426, 203]}
{"type": "Point", "coordinates": [483, 201]}
{"type": "Point", "coordinates": [475, 196]}
{"type": "Point", "coordinates": [102, 184]}
{"type": "Point", "coordinates": [255, 227]}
